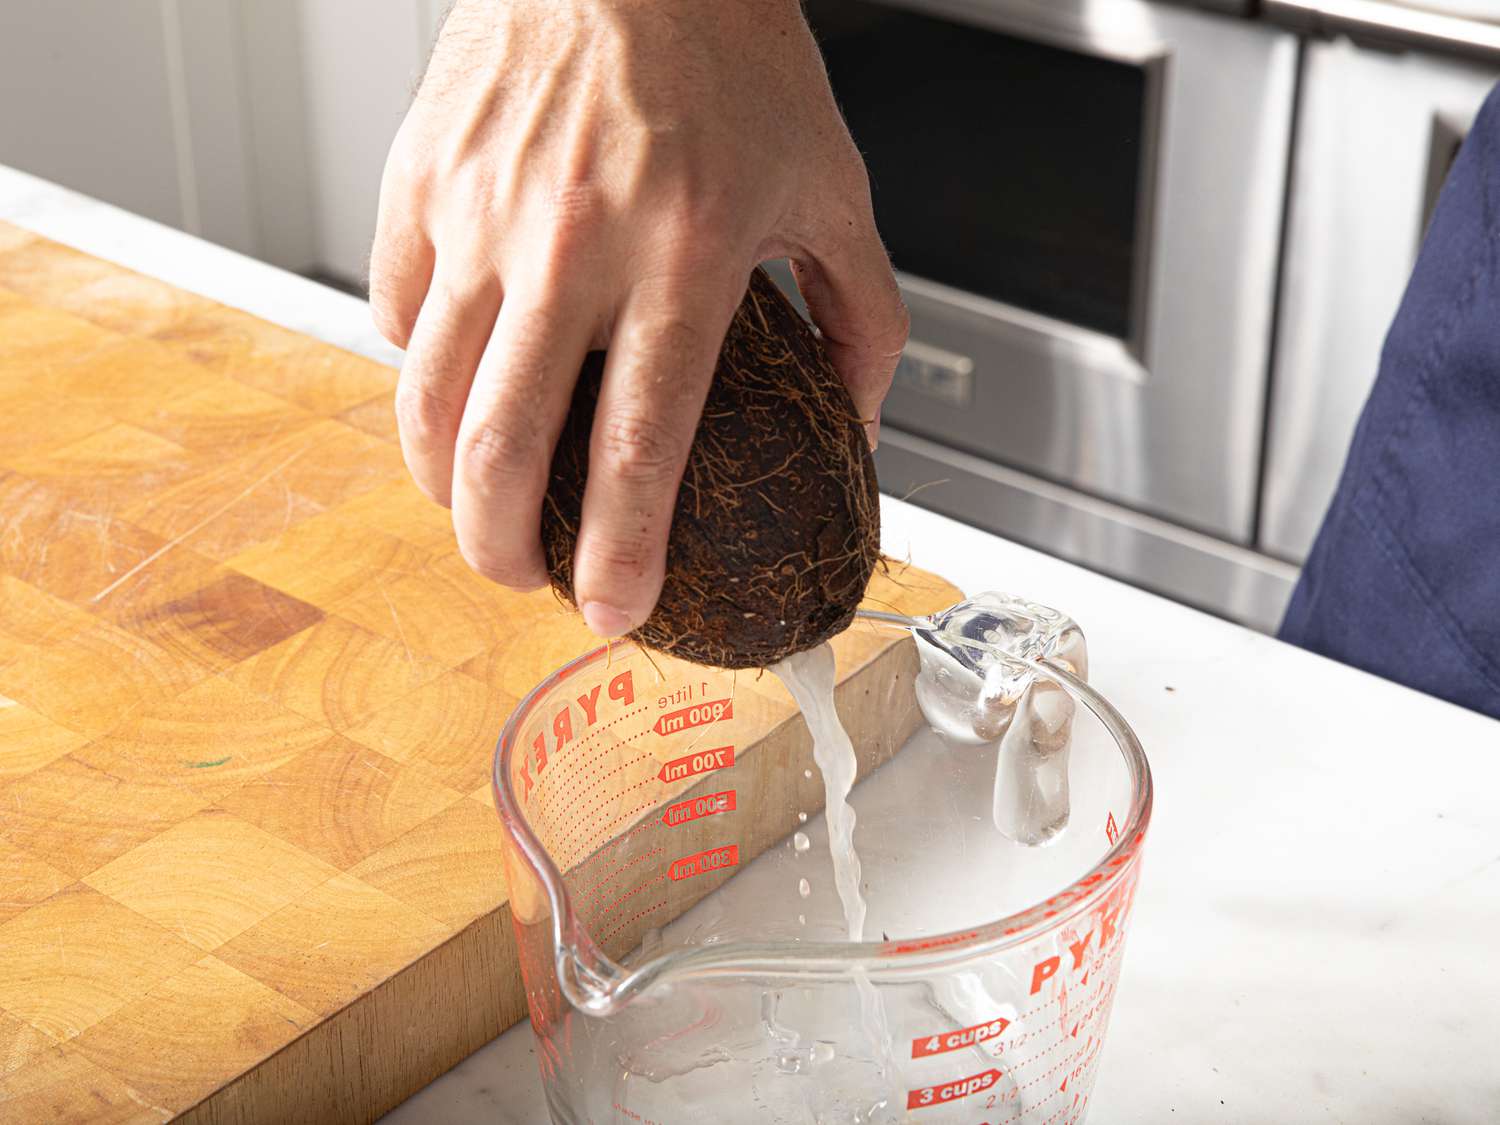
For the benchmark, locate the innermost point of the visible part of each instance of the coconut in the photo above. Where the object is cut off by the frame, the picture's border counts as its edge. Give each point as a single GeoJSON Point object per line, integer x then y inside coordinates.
{"type": "Point", "coordinates": [777, 526]}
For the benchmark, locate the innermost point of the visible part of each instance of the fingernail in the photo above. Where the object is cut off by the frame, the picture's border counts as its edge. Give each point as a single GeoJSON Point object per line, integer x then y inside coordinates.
{"type": "Point", "coordinates": [606, 620]}
{"type": "Point", "coordinates": [873, 430]}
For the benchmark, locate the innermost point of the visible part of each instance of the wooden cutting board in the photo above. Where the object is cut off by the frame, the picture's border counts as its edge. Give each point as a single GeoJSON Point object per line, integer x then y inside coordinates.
{"type": "Point", "coordinates": [249, 865]}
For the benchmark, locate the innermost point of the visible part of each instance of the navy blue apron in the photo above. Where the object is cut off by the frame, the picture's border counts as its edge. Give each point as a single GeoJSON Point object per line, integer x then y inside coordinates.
{"type": "Point", "coordinates": [1404, 579]}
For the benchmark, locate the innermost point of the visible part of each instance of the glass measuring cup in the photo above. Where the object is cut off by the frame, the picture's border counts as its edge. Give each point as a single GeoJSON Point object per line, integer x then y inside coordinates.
{"type": "Point", "coordinates": [673, 901]}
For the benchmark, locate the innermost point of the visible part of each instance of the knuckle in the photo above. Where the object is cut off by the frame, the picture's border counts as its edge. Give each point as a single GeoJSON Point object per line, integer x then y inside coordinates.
{"type": "Point", "coordinates": [676, 338]}
{"type": "Point", "coordinates": [535, 321]}
{"type": "Point", "coordinates": [848, 171]}
{"type": "Point", "coordinates": [635, 447]}
{"type": "Point", "coordinates": [575, 201]}
{"type": "Point", "coordinates": [455, 300]}
{"type": "Point", "coordinates": [900, 322]}
{"type": "Point", "coordinates": [402, 171]}
{"type": "Point", "coordinates": [575, 213]}
{"type": "Point", "coordinates": [706, 211]}
{"type": "Point", "coordinates": [424, 418]}
{"type": "Point", "coordinates": [497, 450]}
{"type": "Point", "coordinates": [671, 342]}
{"type": "Point", "coordinates": [408, 174]}
{"type": "Point", "coordinates": [615, 561]}
{"type": "Point", "coordinates": [405, 174]}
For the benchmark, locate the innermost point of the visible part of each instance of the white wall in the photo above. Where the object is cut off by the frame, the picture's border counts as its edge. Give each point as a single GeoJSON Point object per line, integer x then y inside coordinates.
{"type": "Point", "coordinates": [361, 63]}
{"type": "Point", "coordinates": [259, 124]}
{"type": "Point", "coordinates": [93, 95]}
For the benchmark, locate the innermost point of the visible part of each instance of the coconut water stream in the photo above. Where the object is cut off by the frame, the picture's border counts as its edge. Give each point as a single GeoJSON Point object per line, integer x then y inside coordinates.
{"type": "Point", "coordinates": [809, 677]}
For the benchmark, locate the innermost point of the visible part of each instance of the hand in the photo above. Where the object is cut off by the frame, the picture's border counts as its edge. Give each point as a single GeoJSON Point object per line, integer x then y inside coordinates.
{"type": "Point", "coordinates": [581, 174]}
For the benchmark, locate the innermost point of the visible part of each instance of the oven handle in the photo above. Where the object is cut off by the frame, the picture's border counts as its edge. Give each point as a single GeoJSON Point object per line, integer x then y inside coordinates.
{"type": "Point", "coordinates": [1387, 26]}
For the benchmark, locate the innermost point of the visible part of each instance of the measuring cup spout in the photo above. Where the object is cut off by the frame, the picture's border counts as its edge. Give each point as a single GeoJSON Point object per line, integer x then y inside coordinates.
{"type": "Point", "coordinates": [590, 982]}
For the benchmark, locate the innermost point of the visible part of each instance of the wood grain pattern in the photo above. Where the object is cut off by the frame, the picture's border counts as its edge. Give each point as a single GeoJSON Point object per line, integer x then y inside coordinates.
{"type": "Point", "coordinates": [176, 1058]}
{"type": "Point", "coordinates": [31, 740]}
{"type": "Point", "coordinates": [249, 694]}
{"type": "Point", "coordinates": [59, 1084]}
{"type": "Point", "coordinates": [111, 956]}
{"type": "Point", "coordinates": [209, 878]}
{"type": "Point", "coordinates": [26, 880]}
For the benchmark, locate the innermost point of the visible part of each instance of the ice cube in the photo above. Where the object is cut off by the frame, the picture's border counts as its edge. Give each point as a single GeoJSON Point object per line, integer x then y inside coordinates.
{"type": "Point", "coordinates": [1031, 769]}
{"type": "Point", "coordinates": [973, 697]}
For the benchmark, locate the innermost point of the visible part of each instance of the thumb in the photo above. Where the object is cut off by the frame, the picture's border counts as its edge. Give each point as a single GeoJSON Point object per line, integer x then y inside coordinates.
{"type": "Point", "coordinates": [855, 302]}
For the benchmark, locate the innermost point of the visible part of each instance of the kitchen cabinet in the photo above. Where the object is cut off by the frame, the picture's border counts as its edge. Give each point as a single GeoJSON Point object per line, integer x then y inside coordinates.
{"type": "Point", "coordinates": [261, 125]}
{"type": "Point", "coordinates": [1376, 132]}
{"type": "Point", "coordinates": [108, 97]}
{"type": "Point", "coordinates": [361, 64]}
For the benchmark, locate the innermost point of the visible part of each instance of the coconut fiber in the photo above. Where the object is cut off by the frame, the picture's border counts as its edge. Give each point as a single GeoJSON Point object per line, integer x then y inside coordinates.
{"type": "Point", "coordinates": [777, 525]}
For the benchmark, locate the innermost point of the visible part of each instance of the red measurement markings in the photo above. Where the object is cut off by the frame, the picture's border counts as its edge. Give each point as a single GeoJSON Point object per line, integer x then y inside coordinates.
{"type": "Point", "coordinates": [581, 767]}
{"type": "Point", "coordinates": [575, 797]}
{"type": "Point", "coordinates": [952, 1091]}
{"type": "Point", "coordinates": [696, 808]}
{"type": "Point", "coordinates": [691, 765]}
{"type": "Point", "coordinates": [583, 848]}
{"type": "Point", "coordinates": [927, 1045]}
{"type": "Point", "coordinates": [698, 715]}
{"type": "Point", "coordinates": [579, 760]}
{"type": "Point", "coordinates": [712, 859]}
{"type": "Point", "coordinates": [615, 904]}
{"type": "Point", "coordinates": [1099, 996]}
{"type": "Point", "coordinates": [1087, 1054]}
{"type": "Point", "coordinates": [1028, 1112]}
{"type": "Point", "coordinates": [589, 835]}
{"type": "Point", "coordinates": [1062, 1044]}
{"type": "Point", "coordinates": [624, 923]}
{"type": "Point", "coordinates": [1111, 829]}
{"type": "Point", "coordinates": [592, 895]}
{"type": "Point", "coordinates": [931, 943]}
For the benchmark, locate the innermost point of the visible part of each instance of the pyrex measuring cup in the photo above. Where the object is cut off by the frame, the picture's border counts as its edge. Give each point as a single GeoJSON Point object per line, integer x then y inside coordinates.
{"type": "Point", "coordinates": [674, 905]}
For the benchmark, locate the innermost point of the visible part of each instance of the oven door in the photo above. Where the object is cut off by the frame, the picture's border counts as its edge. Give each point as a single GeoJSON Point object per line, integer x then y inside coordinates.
{"type": "Point", "coordinates": [1082, 201]}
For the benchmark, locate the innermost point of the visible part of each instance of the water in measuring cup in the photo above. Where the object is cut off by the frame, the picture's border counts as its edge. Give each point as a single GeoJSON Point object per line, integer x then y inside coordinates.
{"type": "Point", "coordinates": [939, 849]}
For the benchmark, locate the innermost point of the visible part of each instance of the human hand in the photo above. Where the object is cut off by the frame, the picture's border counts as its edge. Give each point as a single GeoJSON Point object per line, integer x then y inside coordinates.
{"type": "Point", "coordinates": [582, 174]}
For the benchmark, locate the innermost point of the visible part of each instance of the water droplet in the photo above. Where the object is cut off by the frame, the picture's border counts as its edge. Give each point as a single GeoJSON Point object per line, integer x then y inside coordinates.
{"type": "Point", "coordinates": [801, 818]}
{"type": "Point", "coordinates": [807, 774]}
{"type": "Point", "coordinates": [800, 841]}
{"type": "Point", "coordinates": [802, 919]}
{"type": "Point", "coordinates": [804, 888]}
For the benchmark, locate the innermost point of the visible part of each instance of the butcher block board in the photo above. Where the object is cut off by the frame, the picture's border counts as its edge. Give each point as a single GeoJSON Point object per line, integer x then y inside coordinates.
{"type": "Point", "coordinates": [250, 869]}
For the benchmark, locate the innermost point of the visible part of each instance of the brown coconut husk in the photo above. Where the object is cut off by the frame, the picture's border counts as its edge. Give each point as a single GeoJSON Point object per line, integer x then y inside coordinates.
{"type": "Point", "coordinates": [777, 525]}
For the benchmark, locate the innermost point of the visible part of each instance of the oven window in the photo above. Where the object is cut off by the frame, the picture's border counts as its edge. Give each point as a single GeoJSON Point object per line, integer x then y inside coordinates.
{"type": "Point", "coordinates": [999, 166]}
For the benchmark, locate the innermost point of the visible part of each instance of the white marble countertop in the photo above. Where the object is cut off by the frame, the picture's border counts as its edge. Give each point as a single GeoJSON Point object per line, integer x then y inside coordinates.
{"type": "Point", "coordinates": [1314, 936]}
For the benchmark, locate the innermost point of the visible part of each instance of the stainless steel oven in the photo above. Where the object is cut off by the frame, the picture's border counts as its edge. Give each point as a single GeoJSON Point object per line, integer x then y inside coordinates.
{"type": "Point", "coordinates": [1083, 202]}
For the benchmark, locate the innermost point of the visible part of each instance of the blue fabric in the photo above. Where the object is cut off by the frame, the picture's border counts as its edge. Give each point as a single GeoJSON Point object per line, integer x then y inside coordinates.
{"type": "Point", "coordinates": [1404, 578]}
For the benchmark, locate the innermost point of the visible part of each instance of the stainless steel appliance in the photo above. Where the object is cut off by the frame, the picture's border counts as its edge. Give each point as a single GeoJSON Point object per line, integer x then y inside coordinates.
{"type": "Point", "coordinates": [1388, 92]}
{"type": "Point", "coordinates": [1083, 200]}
